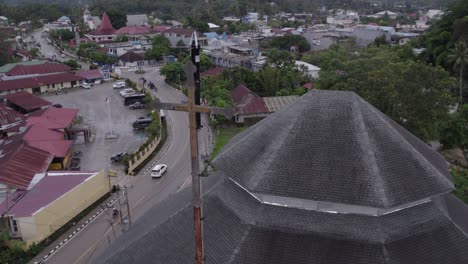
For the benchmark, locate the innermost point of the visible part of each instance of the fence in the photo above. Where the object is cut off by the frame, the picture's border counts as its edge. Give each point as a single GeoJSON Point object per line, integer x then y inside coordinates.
{"type": "Point", "coordinates": [140, 156]}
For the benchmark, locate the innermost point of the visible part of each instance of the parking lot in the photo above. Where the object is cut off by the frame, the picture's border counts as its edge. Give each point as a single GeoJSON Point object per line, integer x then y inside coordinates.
{"type": "Point", "coordinates": [93, 110]}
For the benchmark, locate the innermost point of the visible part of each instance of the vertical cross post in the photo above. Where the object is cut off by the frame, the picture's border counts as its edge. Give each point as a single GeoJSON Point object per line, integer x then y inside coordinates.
{"type": "Point", "coordinates": [192, 69]}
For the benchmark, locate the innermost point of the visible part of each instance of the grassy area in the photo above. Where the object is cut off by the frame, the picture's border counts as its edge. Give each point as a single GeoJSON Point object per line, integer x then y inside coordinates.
{"type": "Point", "coordinates": [460, 178]}
{"type": "Point", "coordinates": [222, 137]}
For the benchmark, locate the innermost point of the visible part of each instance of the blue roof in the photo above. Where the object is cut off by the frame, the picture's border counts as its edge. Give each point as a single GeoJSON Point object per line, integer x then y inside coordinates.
{"type": "Point", "coordinates": [211, 35]}
{"type": "Point", "coordinates": [63, 18]}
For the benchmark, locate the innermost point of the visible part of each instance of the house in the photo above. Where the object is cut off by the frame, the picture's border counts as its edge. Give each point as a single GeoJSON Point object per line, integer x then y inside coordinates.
{"type": "Point", "coordinates": [329, 179]}
{"type": "Point", "coordinates": [40, 84]}
{"type": "Point", "coordinates": [212, 72]}
{"type": "Point", "coordinates": [390, 14]}
{"type": "Point", "coordinates": [3, 21]}
{"type": "Point", "coordinates": [366, 34]}
{"type": "Point", "coordinates": [119, 49]}
{"type": "Point", "coordinates": [137, 20]}
{"type": "Point", "coordinates": [35, 214]}
{"type": "Point", "coordinates": [135, 33]}
{"type": "Point", "coordinates": [7, 67]}
{"type": "Point", "coordinates": [20, 163]}
{"type": "Point", "coordinates": [11, 121]}
{"type": "Point", "coordinates": [132, 59]}
{"type": "Point", "coordinates": [91, 76]}
{"type": "Point", "coordinates": [25, 102]}
{"type": "Point", "coordinates": [53, 118]}
{"type": "Point", "coordinates": [251, 108]}
{"type": "Point", "coordinates": [105, 31]}
{"type": "Point", "coordinates": [174, 35]}
{"type": "Point", "coordinates": [309, 69]}
{"type": "Point", "coordinates": [50, 141]}
{"type": "Point", "coordinates": [24, 71]}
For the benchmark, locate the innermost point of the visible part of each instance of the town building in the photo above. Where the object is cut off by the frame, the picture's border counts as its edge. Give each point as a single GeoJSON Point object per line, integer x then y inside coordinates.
{"type": "Point", "coordinates": [25, 71]}
{"type": "Point", "coordinates": [174, 35]}
{"type": "Point", "coordinates": [104, 33]}
{"type": "Point", "coordinates": [7, 67]}
{"type": "Point", "coordinates": [25, 102]}
{"type": "Point", "coordinates": [40, 84]}
{"type": "Point", "coordinates": [33, 215]}
{"type": "Point", "coordinates": [309, 69]}
{"type": "Point", "coordinates": [91, 76]}
{"type": "Point", "coordinates": [329, 179]}
{"type": "Point", "coordinates": [132, 59]}
{"type": "Point", "coordinates": [251, 108]}
{"type": "Point", "coordinates": [119, 49]}
{"type": "Point", "coordinates": [3, 21]}
{"type": "Point", "coordinates": [11, 121]}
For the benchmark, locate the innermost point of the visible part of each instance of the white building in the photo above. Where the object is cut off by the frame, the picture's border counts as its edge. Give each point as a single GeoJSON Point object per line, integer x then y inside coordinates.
{"type": "Point", "coordinates": [309, 69]}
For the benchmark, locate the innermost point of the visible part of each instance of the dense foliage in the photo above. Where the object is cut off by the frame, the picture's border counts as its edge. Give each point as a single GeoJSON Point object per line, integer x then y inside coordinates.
{"type": "Point", "coordinates": [160, 47]}
{"type": "Point", "coordinates": [4, 50]}
{"type": "Point", "coordinates": [61, 34]}
{"type": "Point", "coordinates": [416, 95]}
{"type": "Point", "coordinates": [117, 18]}
{"type": "Point", "coordinates": [286, 42]}
{"type": "Point", "coordinates": [460, 178]}
{"type": "Point", "coordinates": [33, 12]}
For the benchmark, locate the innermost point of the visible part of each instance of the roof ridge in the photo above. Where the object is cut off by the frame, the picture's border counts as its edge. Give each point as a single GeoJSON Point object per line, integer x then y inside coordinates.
{"type": "Point", "coordinates": [371, 160]}
{"type": "Point", "coordinates": [405, 141]}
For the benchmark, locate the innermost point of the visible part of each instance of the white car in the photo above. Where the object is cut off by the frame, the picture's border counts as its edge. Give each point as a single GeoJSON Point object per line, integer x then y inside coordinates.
{"type": "Point", "coordinates": [132, 69]}
{"type": "Point", "coordinates": [126, 92]}
{"type": "Point", "coordinates": [119, 85]}
{"type": "Point", "coordinates": [158, 171]}
{"type": "Point", "coordinates": [85, 85]}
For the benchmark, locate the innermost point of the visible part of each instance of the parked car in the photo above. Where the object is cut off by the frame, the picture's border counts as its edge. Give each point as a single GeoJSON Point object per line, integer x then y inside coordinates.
{"type": "Point", "coordinates": [119, 85]}
{"type": "Point", "coordinates": [158, 171]}
{"type": "Point", "coordinates": [85, 85]}
{"type": "Point", "coordinates": [141, 123]}
{"type": "Point", "coordinates": [132, 69]}
{"type": "Point", "coordinates": [136, 105]}
{"type": "Point", "coordinates": [140, 71]}
{"type": "Point", "coordinates": [63, 55]}
{"type": "Point", "coordinates": [57, 105]}
{"type": "Point", "coordinates": [126, 92]}
{"type": "Point", "coordinates": [119, 156]}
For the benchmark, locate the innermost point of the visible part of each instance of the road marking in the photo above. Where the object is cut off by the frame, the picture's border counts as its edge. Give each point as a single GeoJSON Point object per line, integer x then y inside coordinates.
{"type": "Point", "coordinates": [139, 201]}
{"type": "Point", "coordinates": [185, 182]}
{"type": "Point", "coordinates": [93, 246]}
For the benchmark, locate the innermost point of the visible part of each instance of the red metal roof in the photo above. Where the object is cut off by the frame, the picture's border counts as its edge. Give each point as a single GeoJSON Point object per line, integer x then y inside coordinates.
{"type": "Point", "coordinates": [131, 56]}
{"type": "Point", "coordinates": [134, 30]}
{"type": "Point", "coordinates": [53, 117]}
{"type": "Point", "coordinates": [89, 74]}
{"type": "Point", "coordinates": [46, 191]}
{"type": "Point", "coordinates": [105, 28]}
{"type": "Point", "coordinates": [39, 132]}
{"type": "Point", "coordinates": [21, 162]}
{"type": "Point", "coordinates": [38, 69]}
{"type": "Point", "coordinates": [58, 148]}
{"type": "Point", "coordinates": [9, 116]}
{"type": "Point", "coordinates": [33, 82]}
{"type": "Point", "coordinates": [308, 86]}
{"type": "Point", "coordinates": [182, 32]}
{"type": "Point", "coordinates": [27, 101]}
{"type": "Point", "coordinates": [213, 72]}
{"type": "Point", "coordinates": [7, 30]}
{"type": "Point", "coordinates": [247, 102]}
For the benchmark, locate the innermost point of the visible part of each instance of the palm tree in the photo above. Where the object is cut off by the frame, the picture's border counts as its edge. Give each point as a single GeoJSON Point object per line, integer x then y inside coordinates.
{"type": "Point", "coordinates": [459, 55]}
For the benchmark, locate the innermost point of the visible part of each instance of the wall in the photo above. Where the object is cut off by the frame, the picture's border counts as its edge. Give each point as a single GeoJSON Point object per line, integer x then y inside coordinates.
{"type": "Point", "coordinates": [143, 155]}
{"type": "Point", "coordinates": [55, 215]}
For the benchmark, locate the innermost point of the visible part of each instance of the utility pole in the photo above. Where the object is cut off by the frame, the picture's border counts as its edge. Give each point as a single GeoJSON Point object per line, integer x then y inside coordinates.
{"type": "Point", "coordinates": [192, 69]}
{"type": "Point", "coordinates": [128, 207]}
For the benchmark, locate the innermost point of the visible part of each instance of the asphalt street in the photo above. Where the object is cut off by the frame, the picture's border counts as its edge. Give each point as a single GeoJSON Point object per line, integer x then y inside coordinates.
{"type": "Point", "coordinates": [143, 191]}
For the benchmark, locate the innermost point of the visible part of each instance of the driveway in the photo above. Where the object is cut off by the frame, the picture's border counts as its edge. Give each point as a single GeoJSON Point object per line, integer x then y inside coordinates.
{"type": "Point", "coordinates": [93, 110]}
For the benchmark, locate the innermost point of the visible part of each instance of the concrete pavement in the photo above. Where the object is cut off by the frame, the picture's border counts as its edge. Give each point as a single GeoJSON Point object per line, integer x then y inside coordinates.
{"type": "Point", "coordinates": [144, 192]}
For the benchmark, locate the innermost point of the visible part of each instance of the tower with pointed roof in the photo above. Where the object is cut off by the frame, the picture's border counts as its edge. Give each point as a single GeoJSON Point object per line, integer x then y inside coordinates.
{"type": "Point", "coordinates": [105, 31]}
{"type": "Point", "coordinates": [328, 180]}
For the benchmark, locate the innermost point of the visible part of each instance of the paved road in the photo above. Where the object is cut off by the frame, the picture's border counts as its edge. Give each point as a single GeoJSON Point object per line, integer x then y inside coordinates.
{"type": "Point", "coordinates": [144, 192]}
{"type": "Point", "coordinates": [47, 50]}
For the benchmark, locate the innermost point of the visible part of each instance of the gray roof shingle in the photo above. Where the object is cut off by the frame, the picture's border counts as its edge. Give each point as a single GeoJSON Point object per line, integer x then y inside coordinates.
{"type": "Point", "coordinates": [334, 146]}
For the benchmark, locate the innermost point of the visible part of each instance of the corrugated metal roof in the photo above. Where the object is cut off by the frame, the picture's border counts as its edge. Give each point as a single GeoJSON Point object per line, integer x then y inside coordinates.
{"type": "Point", "coordinates": [20, 162]}
{"type": "Point", "coordinates": [213, 72]}
{"type": "Point", "coordinates": [279, 102]}
{"type": "Point", "coordinates": [58, 148]}
{"type": "Point", "coordinates": [53, 118]}
{"type": "Point", "coordinates": [9, 116]}
{"type": "Point", "coordinates": [90, 74]}
{"type": "Point", "coordinates": [105, 28]}
{"type": "Point", "coordinates": [27, 101]}
{"type": "Point", "coordinates": [38, 69]}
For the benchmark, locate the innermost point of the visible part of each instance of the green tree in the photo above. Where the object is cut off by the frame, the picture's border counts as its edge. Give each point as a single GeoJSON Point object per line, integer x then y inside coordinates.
{"type": "Point", "coordinates": [173, 71]}
{"type": "Point", "coordinates": [34, 52]}
{"type": "Point", "coordinates": [117, 18]}
{"type": "Point", "coordinates": [73, 64]}
{"type": "Point", "coordinates": [280, 58]}
{"type": "Point", "coordinates": [160, 47]}
{"type": "Point", "coordinates": [460, 178]}
{"type": "Point", "coordinates": [62, 34]}
{"type": "Point", "coordinates": [415, 95]}
{"type": "Point", "coordinates": [459, 57]}
{"type": "Point", "coordinates": [121, 38]}
{"type": "Point", "coordinates": [286, 42]}
{"type": "Point", "coordinates": [205, 62]}
{"type": "Point", "coordinates": [5, 48]}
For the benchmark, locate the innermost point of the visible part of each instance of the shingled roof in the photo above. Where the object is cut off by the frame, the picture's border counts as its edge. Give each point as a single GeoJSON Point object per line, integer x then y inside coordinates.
{"type": "Point", "coordinates": [247, 220]}
{"type": "Point", "coordinates": [335, 147]}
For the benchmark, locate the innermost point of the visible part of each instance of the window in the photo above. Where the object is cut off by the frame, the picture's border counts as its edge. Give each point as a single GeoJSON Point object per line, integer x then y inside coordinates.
{"type": "Point", "coordinates": [13, 225]}
{"type": "Point", "coordinates": [53, 85]}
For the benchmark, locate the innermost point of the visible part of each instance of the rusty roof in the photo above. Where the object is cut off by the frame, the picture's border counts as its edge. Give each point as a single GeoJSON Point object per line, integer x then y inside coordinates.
{"type": "Point", "coordinates": [247, 102]}
{"type": "Point", "coordinates": [21, 162]}
{"type": "Point", "coordinates": [277, 103]}
{"type": "Point", "coordinates": [27, 101]}
{"type": "Point", "coordinates": [9, 117]}
{"type": "Point", "coordinates": [53, 117]}
{"type": "Point", "coordinates": [45, 68]}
